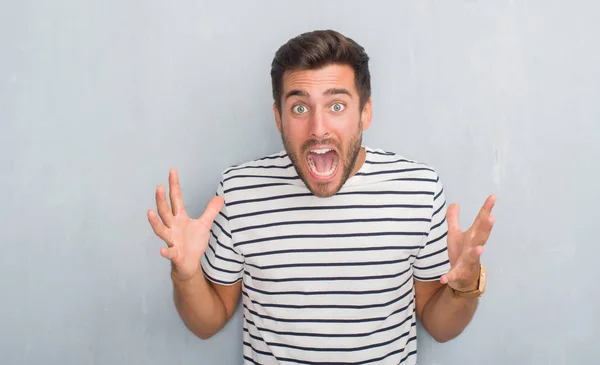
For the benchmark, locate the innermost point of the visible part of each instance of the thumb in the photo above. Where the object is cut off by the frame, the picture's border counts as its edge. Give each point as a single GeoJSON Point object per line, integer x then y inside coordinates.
{"type": "Point", "coordinates": [213, 208]}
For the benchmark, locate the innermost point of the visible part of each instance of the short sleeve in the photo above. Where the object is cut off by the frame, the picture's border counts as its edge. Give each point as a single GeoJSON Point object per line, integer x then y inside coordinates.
{"type": "Point", "coordinates": [221, 263]}
{"type": "Point", "coordinates": [432, 259]}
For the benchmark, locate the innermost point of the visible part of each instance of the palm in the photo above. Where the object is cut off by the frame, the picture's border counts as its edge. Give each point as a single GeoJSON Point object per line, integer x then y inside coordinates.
{"type": "Point", "coordinates": [465, 248]}
{"type": "Point", "coordinates": [186, 238]}
{"type": "Point", "coordinates": [191, 239]}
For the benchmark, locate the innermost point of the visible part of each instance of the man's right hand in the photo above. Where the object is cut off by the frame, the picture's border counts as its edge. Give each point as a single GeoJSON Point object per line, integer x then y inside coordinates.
{"type": "Point", "coordinates": [186, 238]}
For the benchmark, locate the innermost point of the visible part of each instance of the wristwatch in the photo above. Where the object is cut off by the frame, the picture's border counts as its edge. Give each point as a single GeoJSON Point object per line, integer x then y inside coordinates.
{"type": "Point", "coordinates": [473, 293]}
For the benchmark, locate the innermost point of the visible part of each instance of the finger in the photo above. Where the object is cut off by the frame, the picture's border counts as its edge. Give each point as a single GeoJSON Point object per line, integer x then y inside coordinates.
{"type": "Point", "coordinates": [482, 234]}
{"type": "Point", "coordinates": [484, 212]}
{"type": "Point", "coordinates": [175, 192]}
{"type": "Point", "coordinates": [163, 206]}
{"type": "Point", "coordinates": [452, 217]}
{"type": "Point", "coordinates": [158, 227]}
{"type": "Point", "coordinates": [170, 253]}
{"type": "Point", "coordinates": [213, 208]}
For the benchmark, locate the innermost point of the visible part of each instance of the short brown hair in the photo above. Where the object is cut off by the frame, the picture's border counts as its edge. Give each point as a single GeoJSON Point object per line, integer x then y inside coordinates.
{"type": "Point", "coordinates": [315, 50]}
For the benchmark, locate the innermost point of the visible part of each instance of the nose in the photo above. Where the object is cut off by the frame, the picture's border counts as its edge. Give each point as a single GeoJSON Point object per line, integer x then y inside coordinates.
{"type": "Point", "coordinates": [318, 125]}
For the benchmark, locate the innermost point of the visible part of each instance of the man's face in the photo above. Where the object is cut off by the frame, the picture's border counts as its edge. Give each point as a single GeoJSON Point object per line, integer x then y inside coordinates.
{"type": "Point", "coordinates": [321, 126]}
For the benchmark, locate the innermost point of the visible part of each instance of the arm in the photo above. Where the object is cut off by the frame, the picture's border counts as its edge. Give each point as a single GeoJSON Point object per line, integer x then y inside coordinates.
{"type": "Point", "coordinates": [443, 316]}
{"type": "Point", "coordinates": [203, 306]}
{"type": "Point", "coordinates": [193, 249]}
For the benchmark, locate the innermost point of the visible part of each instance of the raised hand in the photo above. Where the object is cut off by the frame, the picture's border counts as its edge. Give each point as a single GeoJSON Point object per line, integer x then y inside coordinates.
{"type": "Point", "coordinates": [465, 248]}
{"type": "Point", "coordinates": [186, 238]}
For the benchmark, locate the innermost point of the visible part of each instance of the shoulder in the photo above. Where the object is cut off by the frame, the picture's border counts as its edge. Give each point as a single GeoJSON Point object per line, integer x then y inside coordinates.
{"type": "Point", "coordinates": [381, 160]}
{"type": "Point", "coordinates": [275, 160]}
{"type": "Point", "coordinates": [272, 169]}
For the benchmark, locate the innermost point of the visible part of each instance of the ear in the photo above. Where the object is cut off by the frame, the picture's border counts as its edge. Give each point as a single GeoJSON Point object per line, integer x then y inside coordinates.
{"type": "Point", "coordinates": [367, 114]}
{"type": "Point", "coordinates": [277, 116]}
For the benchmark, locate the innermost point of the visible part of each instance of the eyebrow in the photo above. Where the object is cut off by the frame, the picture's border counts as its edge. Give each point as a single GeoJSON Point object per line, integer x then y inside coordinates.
{"type": "Point", "coordinates": [337, 91]}
{"type": "Point", "coordinates": [296, 92]}
{"type": "Point", "coordinates": [304, 94]}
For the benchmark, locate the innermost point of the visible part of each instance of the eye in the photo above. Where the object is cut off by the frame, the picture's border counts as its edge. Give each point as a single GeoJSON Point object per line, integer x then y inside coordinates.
{"type": "Point", "coordinates": [337, 107]}
{"type": "Point", "coordinates": [299, 109]}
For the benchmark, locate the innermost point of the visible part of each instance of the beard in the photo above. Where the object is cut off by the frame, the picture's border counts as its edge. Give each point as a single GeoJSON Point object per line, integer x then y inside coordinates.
{"type": "Point", "coordinates": [321, 189]}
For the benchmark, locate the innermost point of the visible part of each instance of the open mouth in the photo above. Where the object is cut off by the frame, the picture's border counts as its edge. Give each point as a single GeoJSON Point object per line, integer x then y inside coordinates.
{"type": "Point", "coordinates": [322, 163]}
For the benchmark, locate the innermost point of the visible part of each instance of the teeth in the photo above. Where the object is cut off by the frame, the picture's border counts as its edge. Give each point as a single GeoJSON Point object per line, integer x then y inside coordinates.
{"type": "Point", "coordinates": [321, 151]}
{"type": "Point", "coordinates": [313, 168]}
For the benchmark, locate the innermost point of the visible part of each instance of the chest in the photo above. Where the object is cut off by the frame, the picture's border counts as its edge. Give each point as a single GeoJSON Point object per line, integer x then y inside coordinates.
{"type": "Point", "coordinates": [348, 238]}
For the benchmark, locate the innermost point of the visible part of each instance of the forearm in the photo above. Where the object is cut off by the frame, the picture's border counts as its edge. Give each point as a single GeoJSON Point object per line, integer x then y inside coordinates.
{"type": "Point", "coordinates": [445, 317]}
{"type": "Point", "coordinates": [199, 305]}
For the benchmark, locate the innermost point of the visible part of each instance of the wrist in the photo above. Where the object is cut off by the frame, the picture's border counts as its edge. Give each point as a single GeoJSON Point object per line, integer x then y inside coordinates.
{"type": "Point", "coordinates": [473, 283]}
{"type": "Point", "coordinates": [474, 289]}
{"type": "Point", "coordinates": [178, 278]}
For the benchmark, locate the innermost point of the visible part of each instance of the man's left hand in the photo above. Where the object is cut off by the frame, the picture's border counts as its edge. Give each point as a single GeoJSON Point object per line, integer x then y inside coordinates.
{"type": "Point", "coordinates": [465, 248]}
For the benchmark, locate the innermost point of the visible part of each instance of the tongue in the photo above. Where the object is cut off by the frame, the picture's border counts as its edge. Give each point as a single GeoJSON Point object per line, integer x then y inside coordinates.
{"type": "Point", "coordinates": [323, 162]}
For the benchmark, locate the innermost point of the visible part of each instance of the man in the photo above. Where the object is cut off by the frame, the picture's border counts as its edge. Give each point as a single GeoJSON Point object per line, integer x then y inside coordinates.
{"type": "Point", "coordinates": [336, 248]}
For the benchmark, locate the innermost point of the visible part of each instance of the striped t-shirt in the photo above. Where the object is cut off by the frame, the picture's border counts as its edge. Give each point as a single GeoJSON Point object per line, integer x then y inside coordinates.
{"type": "Point", "coordinates": [329, 280]}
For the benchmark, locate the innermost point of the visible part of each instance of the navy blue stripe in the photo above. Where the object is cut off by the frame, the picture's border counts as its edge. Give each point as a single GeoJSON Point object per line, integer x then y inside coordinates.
{"type": "Point", "coordinates": [221, 269]}
{"type": "Point", "coordinates": [333, 207]}
{"type": "Point", "coordinates": [250, 359]}
{"type": "Point", "coordinates": [440, 208]}
{"type": "Point", "coordinates": [223, 215]}
{"type": "Point", "coordinates": [221, 228]}
{"type": "Point", "coordinates": [389, 192]}
{"type": "Point", "coordinates": [437, 239]}
{"type": "Point", "coordinates": [221, 257]}
{"type": "Point", "coordinates": [262, 177]}
{"type": "Point", "coordinates": [219, 281]}
{"type": "Point", "coordinates": [359, 220]}
{"type": "Point", "coordinates": [329, 235]}
{"type": "Point", "coordinates": [333, 278]}
{"type": "Point", "coordinates": [335, 335]}
{"type": "Point", "coordinates": [384, 172]}
{"type": "Point", "coordinates": [400, 350]}
{"type": "Point", "coordinates": [414, 179]}
{"type": "Point", "coordinates": [337, 249]}
{"type": "Point", "coordinates": [238, 168]}
{"type": "Point", "coordinates": [327, 264]}
{"type": "Point", "coordinates": [433, 253]}
{"type": "Point", "coordinates": [334, 306]}
{"type": "Point", "coordinates": [248, 187]}
{"type": "Point", "coordinates": [331, 349]}
{"type": "Point", "coordinates": [381, 153]}
{"type": "Point", "coordinates": [222, 245]}
{"type": "Point", "coordinates": [432, 266]}
{"type": "Point", "coordinates": [413, 352]}
{"type": "Point", "coordinates": [269, 198]}
{"type": "Point", "coordinates": [264, 353]}
{"type": "Point", "coordinates": [439, 224]}
{"type": "Point", "coordinates": [331, 292]}
{"type": "Point", "coordinates": [311, 293]}
{"type": "Point", "coordinates": [439, 194]}
{"type": "Point", "coordinates": [273, 157]}
{"type": "Point", "coordinates": [388, 162]}
{"type": "Point", "coordinates": [325, 320]}
{"type": "Point", "coordinates": [430, 278]}
{"type": "Point", "coordinates": [298, 195]}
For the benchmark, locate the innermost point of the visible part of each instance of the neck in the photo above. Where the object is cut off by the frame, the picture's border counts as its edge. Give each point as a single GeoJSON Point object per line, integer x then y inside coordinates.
{"type": "Point", "coordinates": [360, 160]}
